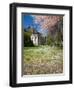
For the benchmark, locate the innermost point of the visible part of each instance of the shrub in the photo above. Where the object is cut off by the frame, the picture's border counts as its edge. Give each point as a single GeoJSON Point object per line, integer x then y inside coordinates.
{"type": "Point", "coordinates": [27, 40]}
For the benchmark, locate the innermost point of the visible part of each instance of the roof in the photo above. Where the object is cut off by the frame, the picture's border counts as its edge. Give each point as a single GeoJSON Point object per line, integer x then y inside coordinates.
{"type": "Point", "coordinates": [35, 32]}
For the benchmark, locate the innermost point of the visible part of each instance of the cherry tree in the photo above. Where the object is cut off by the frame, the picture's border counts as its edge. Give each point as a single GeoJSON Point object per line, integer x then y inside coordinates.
{"type": "Point", "coordinates": [47, 22]}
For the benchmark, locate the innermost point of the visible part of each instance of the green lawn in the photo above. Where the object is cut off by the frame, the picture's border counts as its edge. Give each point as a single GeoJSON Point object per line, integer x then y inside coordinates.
{"type": "Point", "coordinates": [42, 60]}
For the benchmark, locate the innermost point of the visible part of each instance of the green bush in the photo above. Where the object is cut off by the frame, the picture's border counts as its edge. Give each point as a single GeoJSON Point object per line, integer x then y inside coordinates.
{"type": "Point", "coordinates": [50, 41]}
{"type": "Point", "coordinates": [27, 40]}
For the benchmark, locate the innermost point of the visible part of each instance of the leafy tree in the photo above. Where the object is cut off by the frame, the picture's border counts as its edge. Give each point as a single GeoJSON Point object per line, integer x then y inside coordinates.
{"type": "Point", "coordinates": [27, 40]}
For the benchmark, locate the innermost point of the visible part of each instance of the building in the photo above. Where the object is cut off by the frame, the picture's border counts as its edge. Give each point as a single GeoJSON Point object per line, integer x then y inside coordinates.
{"type": "Point", "coordinates": [37, 38]}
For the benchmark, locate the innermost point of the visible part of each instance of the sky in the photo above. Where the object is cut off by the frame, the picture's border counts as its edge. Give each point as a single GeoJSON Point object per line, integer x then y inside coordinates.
{"type": "Point", "coordinates": [28, 21]}
{"type": "Point", "coordinates": [41, 23]}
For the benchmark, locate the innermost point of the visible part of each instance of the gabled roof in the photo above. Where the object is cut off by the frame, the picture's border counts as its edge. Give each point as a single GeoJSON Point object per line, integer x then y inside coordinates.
{"type": "Point", "coordinates": [35, 32]}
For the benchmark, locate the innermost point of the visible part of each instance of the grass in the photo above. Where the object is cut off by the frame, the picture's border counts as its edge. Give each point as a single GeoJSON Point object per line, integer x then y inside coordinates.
{"type": "Point", "coordinates": [42, 60]}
